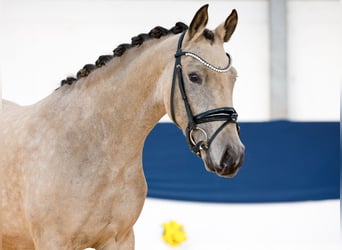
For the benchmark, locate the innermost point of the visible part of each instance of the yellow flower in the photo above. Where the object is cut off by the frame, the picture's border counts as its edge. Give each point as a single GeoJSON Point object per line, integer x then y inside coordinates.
{"type": "Point", "coordinates": [174, 233]}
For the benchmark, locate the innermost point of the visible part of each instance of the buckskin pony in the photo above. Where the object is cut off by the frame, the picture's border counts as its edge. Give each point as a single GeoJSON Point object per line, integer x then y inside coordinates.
{"type": "Point", "coordinates": [71, 164]}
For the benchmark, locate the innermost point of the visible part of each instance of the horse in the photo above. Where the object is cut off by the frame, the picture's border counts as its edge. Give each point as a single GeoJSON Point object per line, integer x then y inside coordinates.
{"type": "Point", "coordinates": [71, 164]}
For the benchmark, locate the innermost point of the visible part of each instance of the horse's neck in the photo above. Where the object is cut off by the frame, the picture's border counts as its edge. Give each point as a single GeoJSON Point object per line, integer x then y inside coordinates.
{"type": "Point", "coordinates": [124, 97]}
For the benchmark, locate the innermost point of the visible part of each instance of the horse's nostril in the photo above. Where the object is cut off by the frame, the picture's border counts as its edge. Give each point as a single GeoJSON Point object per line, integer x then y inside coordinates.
{"type": "Point", "coordinates": [228, 158]}
{"type": "Point", "coordinates": [231, 162]}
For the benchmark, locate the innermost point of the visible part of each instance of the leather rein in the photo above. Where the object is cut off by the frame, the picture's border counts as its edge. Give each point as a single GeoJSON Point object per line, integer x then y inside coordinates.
{"type": "Point", "coordinates": [225, 114]}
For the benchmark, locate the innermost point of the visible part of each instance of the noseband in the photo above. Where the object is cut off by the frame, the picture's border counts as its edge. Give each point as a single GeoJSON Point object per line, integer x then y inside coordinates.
{"type": "Point", "coordinates": [225, 114]}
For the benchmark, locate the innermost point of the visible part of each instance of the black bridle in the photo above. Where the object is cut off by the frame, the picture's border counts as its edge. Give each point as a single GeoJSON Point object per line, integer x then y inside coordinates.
{"type": "Point", "coordinates": [225, 114]}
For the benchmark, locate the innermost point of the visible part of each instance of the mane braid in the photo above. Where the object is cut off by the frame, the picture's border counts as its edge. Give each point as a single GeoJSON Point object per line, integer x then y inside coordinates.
{"type": "Point", "coordinates": [136, 41]}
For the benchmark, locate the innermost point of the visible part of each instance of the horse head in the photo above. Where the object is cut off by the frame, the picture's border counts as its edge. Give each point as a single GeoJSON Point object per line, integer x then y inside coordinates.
{"type": "Point", "coordinates": [201, 94]}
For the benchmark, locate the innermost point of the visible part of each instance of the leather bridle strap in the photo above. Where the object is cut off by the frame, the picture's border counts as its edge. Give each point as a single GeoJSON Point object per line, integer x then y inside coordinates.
{"type": "Point", "coordinates": [225, 114]}
{"type": "Point", "coordinates": [177, 72]}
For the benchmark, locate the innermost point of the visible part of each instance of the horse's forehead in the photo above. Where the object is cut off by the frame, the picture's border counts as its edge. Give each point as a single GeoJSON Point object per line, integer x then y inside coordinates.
{"type": "Point", "coordinates": [211, 50]}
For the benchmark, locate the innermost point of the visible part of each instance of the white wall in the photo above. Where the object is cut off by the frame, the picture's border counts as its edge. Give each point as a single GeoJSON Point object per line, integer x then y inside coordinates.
{"type": "Point", "coordinates": [315, 59]}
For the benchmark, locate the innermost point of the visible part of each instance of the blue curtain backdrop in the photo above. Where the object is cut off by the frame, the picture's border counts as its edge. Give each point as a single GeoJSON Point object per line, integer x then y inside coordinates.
{"type": "Point", "coordinates": [284, 161]}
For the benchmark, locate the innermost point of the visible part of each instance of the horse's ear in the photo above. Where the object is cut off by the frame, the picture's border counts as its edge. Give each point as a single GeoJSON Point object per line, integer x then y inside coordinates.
{"type": "Point", "coordinates": [226, 29]}
{"type": "Point", "coordinates": [198, 23]}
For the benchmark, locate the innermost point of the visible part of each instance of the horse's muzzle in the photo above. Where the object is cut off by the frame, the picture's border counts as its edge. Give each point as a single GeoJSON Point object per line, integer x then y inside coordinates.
{"type": "Point", "coordinates": [229, 164]}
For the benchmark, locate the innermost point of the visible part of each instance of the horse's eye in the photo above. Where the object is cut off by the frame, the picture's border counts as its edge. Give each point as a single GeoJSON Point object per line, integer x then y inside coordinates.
{"type": "Point", "coordinates": [195, 78]}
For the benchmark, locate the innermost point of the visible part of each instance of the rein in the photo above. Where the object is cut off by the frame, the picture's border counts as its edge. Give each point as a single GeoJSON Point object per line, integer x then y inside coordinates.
{"type": "Point", "coordinates": [225, 114]}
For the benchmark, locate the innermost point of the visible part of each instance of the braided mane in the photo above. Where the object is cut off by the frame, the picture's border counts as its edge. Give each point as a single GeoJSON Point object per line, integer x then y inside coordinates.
{"type": "Point", "coordinates": [156, 33]}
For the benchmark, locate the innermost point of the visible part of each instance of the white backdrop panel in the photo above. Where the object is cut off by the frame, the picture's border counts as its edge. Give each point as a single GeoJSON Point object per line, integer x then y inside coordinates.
{"type": "Point", "coordinates": [315, 64]}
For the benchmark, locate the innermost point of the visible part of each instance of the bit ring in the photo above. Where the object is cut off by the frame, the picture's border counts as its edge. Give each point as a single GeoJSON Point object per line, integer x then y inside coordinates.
{"type": "Point", "coordinates": [192, 139]}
